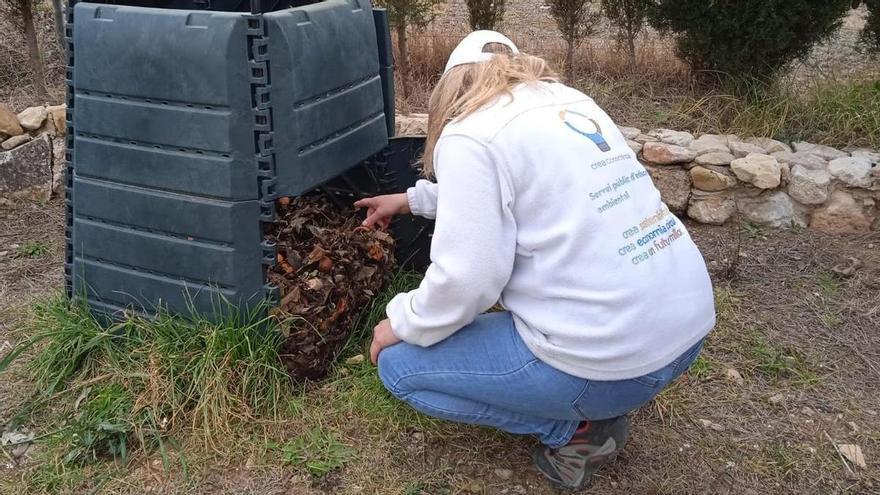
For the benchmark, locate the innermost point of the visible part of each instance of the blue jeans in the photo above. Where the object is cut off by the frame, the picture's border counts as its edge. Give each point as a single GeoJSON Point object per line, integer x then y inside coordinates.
{"type": "Point", "coordinates": [484, 374]}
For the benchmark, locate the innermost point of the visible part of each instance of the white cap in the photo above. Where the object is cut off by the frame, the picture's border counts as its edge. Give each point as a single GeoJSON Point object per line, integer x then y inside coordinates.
{"type": "Point", "coordinates": [470, 49]}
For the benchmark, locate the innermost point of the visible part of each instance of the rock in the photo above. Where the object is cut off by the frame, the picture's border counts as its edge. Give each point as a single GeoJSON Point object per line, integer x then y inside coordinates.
{"type": "Point", "coordinates": [742, 149]}
{"type": "Point", "coordinates": [873, 156]}
{"type": "Point", "coordinates": [803, 159]}
{"type": "Point", "coordinates": [58, 116]}
{"type": "Point", "coordinates": [644, 138]}
{"type": "Point", "coordinates": [15, 141]}
{"type": "Point", "coordinates": [411, 125]}
{"type": "Point", "coordinates": [629, 132]}
{"type": "Point", "coordinates": [674, 184]}
{"type": "Point", "coordinates": [9, 122]}
{"type": "Point", "coordinates": [709, 425]}
{"type": "Point", "coordinates": [841, 215]}
{"type": "Point", "coordinates": [769, 146]}
{"type": "Point", "coordinates": [678, 138]}
{"type": "Point", "coordinates": [734, 376]}
{"type": "Point", "coordinates": [855, 172]}
{"type": "Point", "coordinates": [32, 118]}
{"type": "Point", "coordinates": [26, 171]}
{"type": "Point", "coordinates": [355, 360]}
{"type": "Point", "coordinates": [777, 399]}
{"type": "Point", "coordinates": [710, 143]}
{"type": "Point", "coordinates": [775, 209]}
{"type": "Point", "coordinates": [718, 158]}
{"type": "Point", "coordinates": [809, 187]}
{"type": "Point", "coordinates": [666, 154]}
{"type": "Point", "coordinates": [760, 170]}
{"type": "Point", "coordinates": [712, 180]}
{"type": "Point", "coordinates": [636, 147]}
{"type": "Point", "coordinates": [504, 474]}
{"type": "Point", "coordinates": [59, 163]}
{"type": "Point", "coordinates": [711, 208]}
{"type": "Point", "coordinates": [819, 150]}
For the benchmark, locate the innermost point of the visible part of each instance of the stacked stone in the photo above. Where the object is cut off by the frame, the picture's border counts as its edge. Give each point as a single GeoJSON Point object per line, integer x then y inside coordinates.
{"type": "Point", "coordinates": [31, 151]}
{"type": "Point", "coordinates": [715, 177]}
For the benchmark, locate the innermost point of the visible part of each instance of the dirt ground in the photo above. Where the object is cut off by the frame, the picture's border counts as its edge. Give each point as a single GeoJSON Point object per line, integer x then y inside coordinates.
{"type": "Point", "coordinates": [799, 325]}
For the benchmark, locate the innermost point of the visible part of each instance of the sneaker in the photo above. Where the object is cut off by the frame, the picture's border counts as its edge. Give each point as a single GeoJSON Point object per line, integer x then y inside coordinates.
{"type": "Point", "coordinates": [594, 444]}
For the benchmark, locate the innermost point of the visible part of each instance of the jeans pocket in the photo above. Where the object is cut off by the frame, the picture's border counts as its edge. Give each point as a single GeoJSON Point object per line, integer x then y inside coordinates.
{"type": "Point", "coordinates": [609, 399]}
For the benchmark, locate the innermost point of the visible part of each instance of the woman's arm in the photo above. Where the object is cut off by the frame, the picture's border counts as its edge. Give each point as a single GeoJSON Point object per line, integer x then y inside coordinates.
{"type": "Point", "coordinates": [472, 250]}
{"type": "Point", "coordinates": [422, 199]}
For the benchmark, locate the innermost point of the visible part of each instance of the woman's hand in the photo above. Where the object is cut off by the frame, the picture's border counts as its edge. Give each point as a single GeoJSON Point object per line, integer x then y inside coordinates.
{"type": "Point", "coordinates": [382, 338]}
{"type": "Point", "coordinates": [381, 209]}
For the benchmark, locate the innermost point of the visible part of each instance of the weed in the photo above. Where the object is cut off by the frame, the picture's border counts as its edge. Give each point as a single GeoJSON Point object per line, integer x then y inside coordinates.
{"type": "Point", "coordinates": [702, 367]}
{"type": "Point", "coordinates": [725, 299]}
{"type": "Point", "coordinates": [318, 451]}
{"type": "Point", "coordinates": [782, 459]}
{"type": "Point", "coordinates": [32, 249]}
{"type": "Point", "coordinates": [830, 320]}
{"type": "Point", "coordinates": [829, 284]}
{"type": "Point", "coordinates": [777, 364]}
{"type": "Point", "coordinates": [151, 377]}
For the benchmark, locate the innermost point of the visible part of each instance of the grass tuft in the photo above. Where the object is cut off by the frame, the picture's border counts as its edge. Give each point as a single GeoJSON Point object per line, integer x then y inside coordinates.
{"type": "Point", "coordinates": [318, 452]}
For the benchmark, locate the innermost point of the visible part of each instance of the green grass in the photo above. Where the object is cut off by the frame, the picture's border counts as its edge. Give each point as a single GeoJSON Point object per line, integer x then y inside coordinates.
{"type": "Point", "coordinates": [829, 284]}
{"type": "Point", "coordinates": [824, 111]}
{"type": "Point", "coordinates": [138, 384]}
{"type": "Point", "coordinates": [775, 363]}
{"type": "Point", "coordinates": [703, 367]}
{"type": "Point", "coordinates": [143, 387]}
{"type": "Point", "coordinates": [32, 249]}
{"type": "Point", "coordinates": [318, 452]}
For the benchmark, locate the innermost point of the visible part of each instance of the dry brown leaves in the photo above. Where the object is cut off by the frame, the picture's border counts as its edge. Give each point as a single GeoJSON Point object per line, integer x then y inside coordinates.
{"type": "Point", "coordinates": [328, 268]}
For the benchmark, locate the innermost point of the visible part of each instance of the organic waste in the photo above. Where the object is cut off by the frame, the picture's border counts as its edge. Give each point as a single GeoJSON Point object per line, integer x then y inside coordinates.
{"type": "Point", "coordinates": [328, 269]}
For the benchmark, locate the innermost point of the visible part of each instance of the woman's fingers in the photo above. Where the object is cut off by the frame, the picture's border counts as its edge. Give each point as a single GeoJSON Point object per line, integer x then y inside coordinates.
{"type": "Point", "coordinates": [366, 202]}
{"type": "Point", "coordinates": [374, 352]}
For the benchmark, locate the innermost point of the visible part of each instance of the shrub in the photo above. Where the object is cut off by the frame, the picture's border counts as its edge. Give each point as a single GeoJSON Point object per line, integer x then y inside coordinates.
{"type": "Point", "coordinates": [748, 38]}
{"type": "Point", "coordinates": [402, 14]}
{"type": "Point", "coordinates": [628, 17]}
{"type": "Point", "coordinates": [871, 33]}
{"type": "Point", "coordinates": [485, 14]}
{"type": "Point", "coordinates": [576, 19]}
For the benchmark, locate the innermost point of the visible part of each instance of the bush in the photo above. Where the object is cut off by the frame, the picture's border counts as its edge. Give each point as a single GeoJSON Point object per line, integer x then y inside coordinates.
{"type": "Point", "coordinates": [748, 38]}
{"type": "Point", "coordinates": [485, 14]}
{"type": "Point", "coordinates": [575, 19]}
{"type": "Point", "coordinates": [628, 17]}
{"type": "Point", "coordinates": [871, 33]}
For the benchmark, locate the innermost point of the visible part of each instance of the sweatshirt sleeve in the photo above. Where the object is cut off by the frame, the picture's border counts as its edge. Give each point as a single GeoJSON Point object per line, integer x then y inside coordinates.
{"type": "Point", "coordinates": [422, 199]}
{"type": "Point", "coordinates": [472, 250]}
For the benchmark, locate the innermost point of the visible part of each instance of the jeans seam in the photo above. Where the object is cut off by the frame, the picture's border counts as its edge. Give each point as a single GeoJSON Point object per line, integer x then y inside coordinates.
{"type": "Point", "coordinates": [429, 373]}
{"type": "Point", "coordinates": [574, 403]}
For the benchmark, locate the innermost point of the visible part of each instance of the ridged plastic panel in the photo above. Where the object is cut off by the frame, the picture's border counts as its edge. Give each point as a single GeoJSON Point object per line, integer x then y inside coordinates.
{"type": "Point", "coordinates": [166, 204]}
{"type": "Point", "coordinates": [327, 101]}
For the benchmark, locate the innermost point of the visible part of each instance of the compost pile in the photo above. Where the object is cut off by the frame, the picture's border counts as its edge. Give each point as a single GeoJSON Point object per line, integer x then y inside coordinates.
{"type": "Point", "coordinates": [328, 269]}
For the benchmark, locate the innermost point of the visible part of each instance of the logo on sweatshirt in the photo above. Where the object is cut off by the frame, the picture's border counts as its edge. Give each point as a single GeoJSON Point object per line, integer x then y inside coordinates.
{"type": "Point", "coordinates": [584, 126]}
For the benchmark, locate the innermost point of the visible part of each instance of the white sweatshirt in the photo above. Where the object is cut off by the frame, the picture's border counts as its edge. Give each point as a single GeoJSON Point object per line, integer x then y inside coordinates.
{"type": "Point", "coordinates": [539, 202]}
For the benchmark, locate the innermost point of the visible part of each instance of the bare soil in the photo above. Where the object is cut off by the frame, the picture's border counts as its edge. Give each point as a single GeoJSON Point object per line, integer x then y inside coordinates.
{"type": "Point", "coordinates": [799, 322]}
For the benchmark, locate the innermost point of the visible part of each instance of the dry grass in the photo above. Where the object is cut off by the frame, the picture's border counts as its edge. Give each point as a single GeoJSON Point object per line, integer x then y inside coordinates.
{"type": "Point", "coordinates": [660, 91]}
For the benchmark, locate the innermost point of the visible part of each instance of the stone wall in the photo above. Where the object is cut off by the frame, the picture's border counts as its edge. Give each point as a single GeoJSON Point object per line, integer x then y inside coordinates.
{"type": "Point", "coordinates": [715, 178]}
{"type": "Point", "coordinates": [31, 151]}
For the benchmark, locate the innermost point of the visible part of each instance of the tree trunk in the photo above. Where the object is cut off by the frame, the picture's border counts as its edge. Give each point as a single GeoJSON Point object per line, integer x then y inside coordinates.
{"type": "Point", "coordinates": [58, 9]}
{"type": "Point", "coordinates": [403, 63]}
{"type": "Point", "coordinates": [569, 61]}
{"type": "Point", "coordinates": [36, 62]}
{"type": "Point", "coordinates": [631, 40]}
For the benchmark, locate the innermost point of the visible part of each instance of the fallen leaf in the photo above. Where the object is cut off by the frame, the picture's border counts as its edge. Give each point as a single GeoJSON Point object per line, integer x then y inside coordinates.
{"type": "Point", "coordinates": [317, 253]}
{"type": "Point", "coordinates": [284, 201]}
{"type": "Point", "coordinates": [853, 454]}
{"type": "Point", "coordinates": [376, 252]}
{"type": "Point", "coordinates": [325, 265]}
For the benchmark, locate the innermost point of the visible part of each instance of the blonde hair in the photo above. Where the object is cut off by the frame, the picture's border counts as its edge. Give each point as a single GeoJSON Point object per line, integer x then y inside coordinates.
{"type": "Point", "coordinates": [466, 89]}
